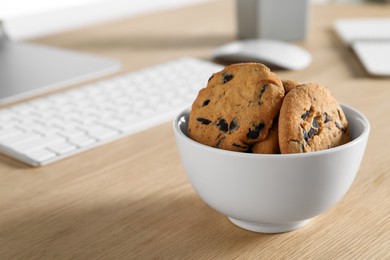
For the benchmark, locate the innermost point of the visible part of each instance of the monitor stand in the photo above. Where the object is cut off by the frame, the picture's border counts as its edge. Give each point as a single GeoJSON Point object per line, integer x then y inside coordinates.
{"type": "Point", "coordinates": [28, 69]}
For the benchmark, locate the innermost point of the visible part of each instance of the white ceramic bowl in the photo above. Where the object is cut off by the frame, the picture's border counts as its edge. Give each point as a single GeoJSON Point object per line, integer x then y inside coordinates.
{"type": "Point", "coordinates": [277, 192]}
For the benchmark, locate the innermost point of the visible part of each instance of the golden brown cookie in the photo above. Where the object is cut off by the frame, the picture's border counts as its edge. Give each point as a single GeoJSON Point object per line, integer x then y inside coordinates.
{"type": "Point", "coordinates": [237, 108]}
{"type": "Point", "coordinates": [311, 119]}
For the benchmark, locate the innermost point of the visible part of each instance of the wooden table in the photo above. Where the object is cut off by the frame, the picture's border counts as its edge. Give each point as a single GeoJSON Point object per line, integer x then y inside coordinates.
{"type": "Point", "coordinates": [130, 199]}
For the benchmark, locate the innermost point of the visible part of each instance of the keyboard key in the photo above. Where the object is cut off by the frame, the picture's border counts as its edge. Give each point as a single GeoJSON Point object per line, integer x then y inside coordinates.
{"type": "Point", "coordinates": [82, 141]}
{"type": "Point", "coordinates": [21, 138]}
{"type": "Point", "coordinates": [36, 144]}
{"type": "Point", "coordinates": [62, 148]}
{"type": "Point", "coordinates": [102, 133]}
{"type": "Point", "coordinates": [41, 155]}
{"type": "Point", "coordinates": [71, 132]}
{"type": "Point", "coordinates": [9, 133]}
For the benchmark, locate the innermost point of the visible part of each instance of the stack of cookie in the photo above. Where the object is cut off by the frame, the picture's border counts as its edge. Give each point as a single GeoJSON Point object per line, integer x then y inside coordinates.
{"type": "Point", "coordinates": [248, 108]}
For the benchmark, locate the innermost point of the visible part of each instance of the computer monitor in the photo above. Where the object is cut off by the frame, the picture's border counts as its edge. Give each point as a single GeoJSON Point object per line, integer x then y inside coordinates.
{"type": "Point", "coordinates": [28, 69]}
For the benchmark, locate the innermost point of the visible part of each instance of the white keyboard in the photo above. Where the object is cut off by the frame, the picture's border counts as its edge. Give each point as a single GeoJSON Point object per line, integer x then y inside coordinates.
{"type": "Point", "coordinates": [57, 126]}
{"type": "Point", "coordinates": [369, 38]}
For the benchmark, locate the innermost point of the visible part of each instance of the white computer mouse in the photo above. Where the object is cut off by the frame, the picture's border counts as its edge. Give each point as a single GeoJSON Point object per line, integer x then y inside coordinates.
{"type": "Point", "coordinates": [273, 53]}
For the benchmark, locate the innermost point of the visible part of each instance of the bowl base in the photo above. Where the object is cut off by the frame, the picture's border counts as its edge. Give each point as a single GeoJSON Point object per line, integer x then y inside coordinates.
{"type": "Point", "coordinates": [268, 227]}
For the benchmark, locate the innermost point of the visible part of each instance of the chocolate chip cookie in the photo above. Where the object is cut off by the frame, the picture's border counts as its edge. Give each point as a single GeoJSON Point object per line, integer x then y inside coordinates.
{"type": "Point", "coordinates": [237, 108]}
{"type": "Point", "coordinates": [311, 119]}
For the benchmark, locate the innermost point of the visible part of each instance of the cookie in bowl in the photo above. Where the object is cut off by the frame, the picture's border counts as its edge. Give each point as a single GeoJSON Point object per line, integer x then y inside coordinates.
{"type": "Point", "coordinates": [237, 108]}
{"type": "Point", "coordinates": [311, 119]}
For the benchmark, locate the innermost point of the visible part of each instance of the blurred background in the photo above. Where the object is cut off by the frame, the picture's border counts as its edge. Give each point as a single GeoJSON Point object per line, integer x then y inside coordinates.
{"type": "Point", "coordinates": [24, 19]}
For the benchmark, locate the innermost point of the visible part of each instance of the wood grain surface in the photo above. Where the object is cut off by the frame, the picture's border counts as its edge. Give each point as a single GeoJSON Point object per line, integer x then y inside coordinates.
{"type": "Point", "coordinates": [130, 199]}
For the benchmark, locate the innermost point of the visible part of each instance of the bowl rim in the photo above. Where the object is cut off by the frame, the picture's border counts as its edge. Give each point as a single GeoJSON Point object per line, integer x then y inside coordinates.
{"type": "Point", "coordinates": [358, 139]}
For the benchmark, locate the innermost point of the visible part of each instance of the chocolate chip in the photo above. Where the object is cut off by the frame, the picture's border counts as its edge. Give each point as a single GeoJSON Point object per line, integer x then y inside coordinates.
{"type": "Point", "coordinates": [227, 77]}
{"type": "Point", "coordinates": [212, 76]}
{"type": "Point", "coordinates": [303, 148]}
{"type": "Point", "coordinates": [206, 102]}
{"type": "Point", "coordinates": [312, 132]}
{"type": "Point", "coordinates": [263, 88]}
{"type": "Point", "coordinates": [233, 125]}
{"type": "Point", "coordinates": [340, 128]}
{"type": "Point", "coordinates": [305, 135]}
{"type": "Point", "coordinates": [203, 121]}
{"type": "Point", "coordinates": [305, 115]}
{"type": "Point", "coordinates": [259, 127]}
{"type": "Point", "coordinates": [328, 118]}
{"type": "Point", "coordinates": [223, 125]}
{"type": "Point", "coordinates": [254, 133]}
{"type": "Point", "coordinates": [315, 123]}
